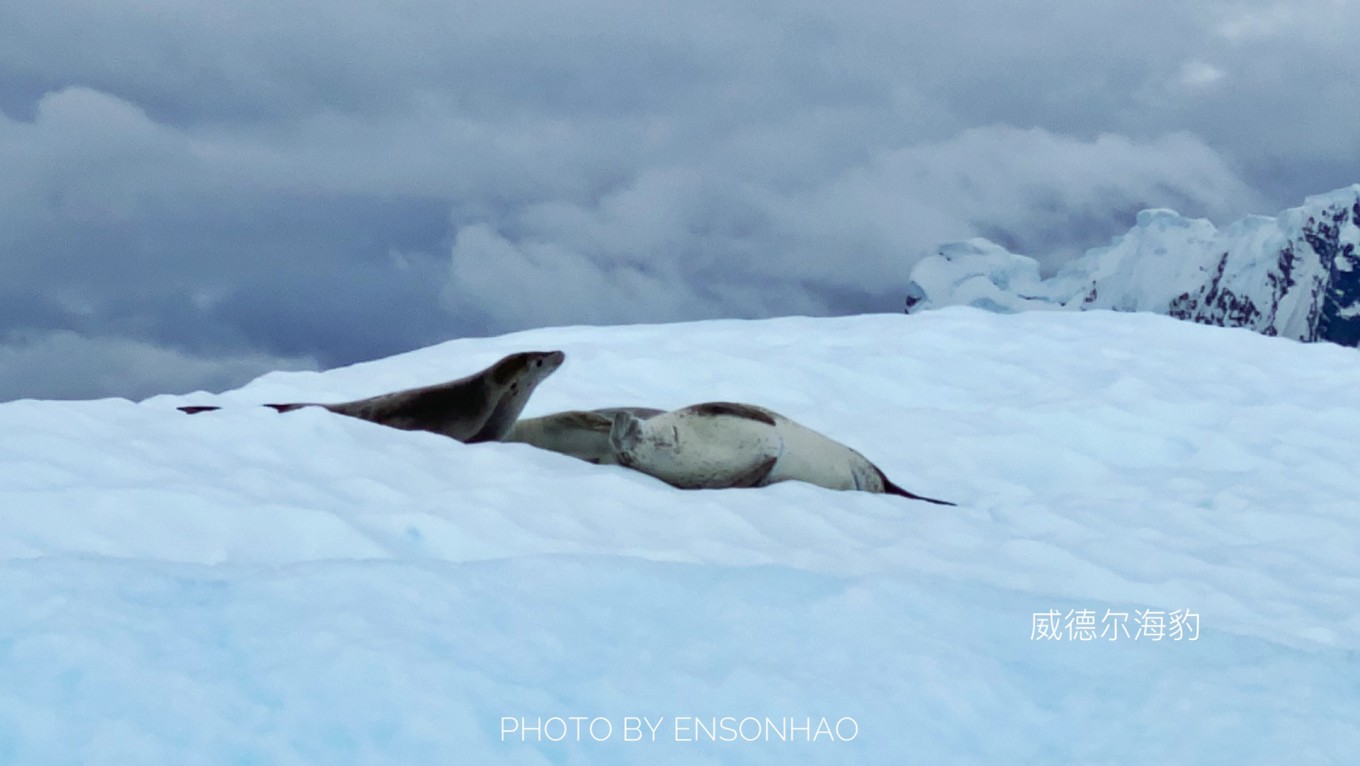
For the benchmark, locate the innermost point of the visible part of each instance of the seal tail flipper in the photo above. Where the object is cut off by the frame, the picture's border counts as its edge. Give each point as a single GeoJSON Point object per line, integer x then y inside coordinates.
{"type": "Point", "coordinates": [892, 489]}
{"type": "Point", "coordinates": [197, 408]}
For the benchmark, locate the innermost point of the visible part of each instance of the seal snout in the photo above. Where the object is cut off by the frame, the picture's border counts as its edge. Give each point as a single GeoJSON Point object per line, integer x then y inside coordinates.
{"type": "Point", "coordinates": [540, 364]}
{"type": "Point", "coordinates": [551, 360]}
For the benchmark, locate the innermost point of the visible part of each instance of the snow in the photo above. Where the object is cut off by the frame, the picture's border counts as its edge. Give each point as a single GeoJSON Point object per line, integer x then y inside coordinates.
{"type": "Point", "coordinates": [1145, 268]}
{"type": "Point", "coordinates": [1289, 275]}
{"type": "Point", "coordinates": [1161, 257]}
{"type": "Point", "coordinates": [243, 587]}
{"type": "Point", "coordinates": [981, 274]}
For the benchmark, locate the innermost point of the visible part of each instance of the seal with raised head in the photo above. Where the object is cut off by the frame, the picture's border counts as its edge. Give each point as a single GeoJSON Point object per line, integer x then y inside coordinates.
{"type": "Point", "coordinates": [725, 444]}
{"type": "Point", "coordinates": [581, 434]}
{"type": "Point", "coordinates": [478, 408]}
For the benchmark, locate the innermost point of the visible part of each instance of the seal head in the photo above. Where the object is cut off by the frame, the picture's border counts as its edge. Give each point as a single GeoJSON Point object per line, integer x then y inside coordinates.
{"type": "Point", "coordinates": [706, 446]}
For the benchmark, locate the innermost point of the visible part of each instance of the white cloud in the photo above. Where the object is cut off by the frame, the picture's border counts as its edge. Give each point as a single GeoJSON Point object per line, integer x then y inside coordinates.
{"type": "Point", "coordinates": [87, 157]}
{"type": "Point", "coordinates": [1198, 74]}
{"type": "Point", "coordinates": [530, 283]}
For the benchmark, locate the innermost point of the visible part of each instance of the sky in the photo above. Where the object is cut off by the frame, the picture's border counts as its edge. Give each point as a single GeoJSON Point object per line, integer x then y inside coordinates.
{"type": "Point", "coordinates": [194, 193]}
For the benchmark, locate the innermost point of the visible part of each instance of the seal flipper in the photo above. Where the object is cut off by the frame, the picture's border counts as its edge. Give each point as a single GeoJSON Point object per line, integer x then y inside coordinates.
{"type": "Point", "coordinates": [756, 476]}
{"type": "Point", "coordinates": [577, 433]}
{"type": "Point", "coordinates": [598, 422]}
{"type": "Point", "coordinates": [892, 489]}
{"type": "Point", "coordinates": [625, 429]}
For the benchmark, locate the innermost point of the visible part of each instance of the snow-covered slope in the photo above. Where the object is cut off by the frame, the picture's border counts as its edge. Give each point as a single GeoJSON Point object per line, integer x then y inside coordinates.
{"type": "Point", "coordinates": [243, 587]}
{"type": "Point", "coordinates": [1296, 275]}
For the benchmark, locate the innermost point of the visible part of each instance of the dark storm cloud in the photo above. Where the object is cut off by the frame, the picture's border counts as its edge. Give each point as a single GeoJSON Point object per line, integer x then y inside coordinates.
{"type": "Point", "coordinates": [214, 185]}
{"type": "Point", "coordinates": [66, 365]}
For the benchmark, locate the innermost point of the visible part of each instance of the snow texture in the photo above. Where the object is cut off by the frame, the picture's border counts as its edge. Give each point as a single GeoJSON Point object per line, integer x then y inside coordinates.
{"type": "Point", "coordinates": [244, 587]}
{"type": "Point", "coordinates": [1295, 275]}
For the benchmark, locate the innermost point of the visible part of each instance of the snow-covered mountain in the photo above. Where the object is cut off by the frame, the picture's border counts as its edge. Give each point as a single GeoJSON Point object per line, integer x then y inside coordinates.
{"type": "Point", "coordinates": [1296, 275]}
{"type": "Point", "coordinates": [244, 587]}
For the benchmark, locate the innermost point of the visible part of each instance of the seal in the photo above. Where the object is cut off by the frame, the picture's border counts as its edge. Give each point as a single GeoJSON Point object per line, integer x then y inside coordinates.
{"type": "Point", "coordinates": [726, 444]}
{"type": "Point", "coordinates": [478, 408]}
{"type": "Point", "coordinates": [582, 434]}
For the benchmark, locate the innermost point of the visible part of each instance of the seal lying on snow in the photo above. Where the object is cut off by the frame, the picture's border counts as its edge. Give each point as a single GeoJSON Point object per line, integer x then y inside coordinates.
{"type": "Point", "coordinates": [481, 407]}
{"type": "Point", "coordinates": [714, 445]}
{"type": "Point", "coordinates": [723, 444]}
